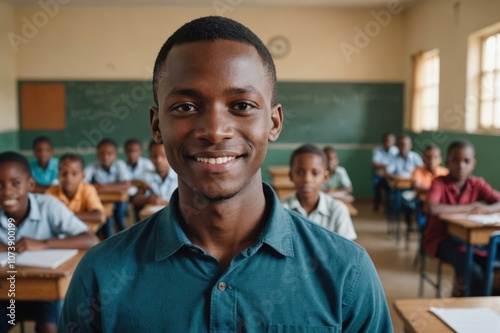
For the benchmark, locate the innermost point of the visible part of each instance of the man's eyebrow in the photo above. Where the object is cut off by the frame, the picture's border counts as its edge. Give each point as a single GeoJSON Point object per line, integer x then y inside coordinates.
{"type": "Point", "coordinates": [243, 90]}
{"type": "Point", "coordinates": [183, 92]}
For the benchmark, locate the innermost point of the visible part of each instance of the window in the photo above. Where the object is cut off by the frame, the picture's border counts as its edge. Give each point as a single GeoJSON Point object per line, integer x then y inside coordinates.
{"type": "Point", "coordinates": [425, 99]}
{"type": "Point", "coordinates": [489, 89]}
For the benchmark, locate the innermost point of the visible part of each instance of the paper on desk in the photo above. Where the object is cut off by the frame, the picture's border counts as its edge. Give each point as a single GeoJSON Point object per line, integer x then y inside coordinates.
{"type": "Point", "coordinates": [469, 320]}
{"type": "Point", "coordinates": [50, 258]}
{"type": "Point", "coordinates": [479, 218]}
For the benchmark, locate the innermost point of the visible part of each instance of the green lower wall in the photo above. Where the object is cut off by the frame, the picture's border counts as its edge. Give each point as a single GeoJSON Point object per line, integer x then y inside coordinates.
{"type": "Point", "coordinates": [9, 141]}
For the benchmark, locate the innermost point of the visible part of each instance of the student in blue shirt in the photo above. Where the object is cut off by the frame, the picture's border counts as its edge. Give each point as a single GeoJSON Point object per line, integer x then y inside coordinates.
{"type": "Point", "coordinates": [39, 221]}
{"type": "Point", "coordinates": [44, 168]}
{"type": "Point", "coordinates": [224, 255]}
{"type": "Point", "coordinates": [381, 156]}
{"type": "Point", "coordinates": [402, 165]}
{"type": "Point", "coordinates": [136, 163]}
{"type": "Point", "coordinates": [160, 183]}
{"type": "Point", "coordinates": [110, 173]}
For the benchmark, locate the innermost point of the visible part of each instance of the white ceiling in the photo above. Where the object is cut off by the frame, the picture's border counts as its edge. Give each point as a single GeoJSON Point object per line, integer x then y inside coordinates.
{"type": "Point", "coordinates": [243, 3]}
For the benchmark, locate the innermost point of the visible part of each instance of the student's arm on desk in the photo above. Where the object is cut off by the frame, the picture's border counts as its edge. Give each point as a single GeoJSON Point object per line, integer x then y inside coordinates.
{"type": "Point", "coordinates": [141, 199]}
{"type": "Point", "coordinates": [84, 240]}
{"type": "Point", "coordinates": [92, 216]}
{"type": "Point", "coordinates": [433, 208]}
{"type": "Point", "coordinates": [118, 186]}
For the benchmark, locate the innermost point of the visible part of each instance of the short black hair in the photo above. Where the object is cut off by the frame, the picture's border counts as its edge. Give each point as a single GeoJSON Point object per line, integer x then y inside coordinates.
{"type": "Point", "coordinates": [132, 141]}
{"type": "Point", "coordinates": [460, 144]}
{"type": "Point", "coordinates": [329, 148]}
{"type": "Point", "coordinates": [107, 141]}
{"type": "Point", "coordinates": [431, 146]}
{"type": "Point", "coordinates": [308, 149]}
{"type": "Point", "coordinates": [71, 157]}
{"type": "Point", "coordinates": [153, 143]}
{"type": "Point", "coordinates": [386, 134]}
{"type": "Point", "coordinates": [41, 139]}
{"type": "Point", "coordinates": [212, 28]}
{"type": "Point", "coordinates": [13, 157]}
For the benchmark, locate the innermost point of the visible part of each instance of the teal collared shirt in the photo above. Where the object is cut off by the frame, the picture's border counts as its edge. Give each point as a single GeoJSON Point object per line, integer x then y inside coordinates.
{"type": "Point", "coordinates": [45, 176]}
{"type": "Point", "coordinates": [297, 277]}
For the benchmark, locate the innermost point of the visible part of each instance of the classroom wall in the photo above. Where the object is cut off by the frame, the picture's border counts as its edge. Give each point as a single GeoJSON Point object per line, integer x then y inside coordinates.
{"type": "Point", "coordinates": [8, 87]}
{"type": "Point", "coordinates": [122, 42]}
{"type": "Point", "coordinates": [446, 24]}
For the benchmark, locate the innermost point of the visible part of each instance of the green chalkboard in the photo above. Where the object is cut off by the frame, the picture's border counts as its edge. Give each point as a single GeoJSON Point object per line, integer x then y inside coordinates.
{"type": "Point", "coordinates": [314, 112]}
{"type": "Point", "coordinates": [97, 109]}
{"type": "Point", "coordinates": [339, 112]}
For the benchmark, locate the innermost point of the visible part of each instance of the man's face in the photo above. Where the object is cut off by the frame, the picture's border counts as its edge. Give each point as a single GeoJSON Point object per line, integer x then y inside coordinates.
{"type": "Point", "coordinates": [432, 158]}
{"type": "Point", "coordinates": [43, 152]}
{"type": "Point", "coordinates": [215, 116]}
{"type": "Point", "coordinates": [70, 175]}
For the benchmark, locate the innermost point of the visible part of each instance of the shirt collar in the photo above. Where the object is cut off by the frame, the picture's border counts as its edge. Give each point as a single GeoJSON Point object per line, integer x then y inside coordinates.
{"type": "Point", "coordinates": [277, 233]}
{"type": "Point", "coordinates": [321, 209]}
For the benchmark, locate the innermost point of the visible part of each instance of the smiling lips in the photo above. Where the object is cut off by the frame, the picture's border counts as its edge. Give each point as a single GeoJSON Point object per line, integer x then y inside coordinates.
{"type": "Point", "coordinates": [9, 202]}
{"type": "Point", "coordinates": [213, 160]}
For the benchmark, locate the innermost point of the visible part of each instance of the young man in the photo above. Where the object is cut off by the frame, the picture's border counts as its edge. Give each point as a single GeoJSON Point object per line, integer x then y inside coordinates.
{"type": "Point", "coordinates": [402, 165]}
{"type": "Point", "coordinates": [41, 222]}
{"type": "Point", "coordinates": [458, 192]}
{"type": "Point", "coordinates": [224, 255]}
{"type": "Point", "coordinates": [308, 173]}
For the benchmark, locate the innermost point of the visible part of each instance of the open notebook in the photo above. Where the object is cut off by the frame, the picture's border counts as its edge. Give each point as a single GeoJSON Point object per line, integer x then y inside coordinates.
{"type": "Point", "coordinates": [50, 258]}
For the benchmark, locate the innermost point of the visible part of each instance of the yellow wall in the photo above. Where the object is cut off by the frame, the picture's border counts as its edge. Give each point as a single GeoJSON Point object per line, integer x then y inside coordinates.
{"type": "Point", "coordinates": [444, 25]}
{"type": "Point", "coordinates": [122, 42]}
{"type": "Point", "coordinates": [8, 90]}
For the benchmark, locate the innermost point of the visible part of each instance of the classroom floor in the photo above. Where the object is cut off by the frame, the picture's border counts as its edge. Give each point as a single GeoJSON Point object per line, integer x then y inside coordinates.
{"type": "Point", "coordinates": [394, 264]}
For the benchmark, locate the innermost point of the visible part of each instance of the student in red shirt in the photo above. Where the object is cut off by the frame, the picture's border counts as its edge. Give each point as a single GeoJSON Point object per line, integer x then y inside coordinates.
{"type": "Point", "coordinates": [458, 192]}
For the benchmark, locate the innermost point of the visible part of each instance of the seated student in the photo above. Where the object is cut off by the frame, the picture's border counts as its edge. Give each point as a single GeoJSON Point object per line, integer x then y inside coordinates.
{"type": "Point", "coordinates": [136, 163]}
{"type": "Point", "coordinates": [80, 197]}
{"type": "Point", "coordinates": [110, 173]}
{"type": "Point", "coordinates": [423, 176]}
{"type": "Point", "coordinates": [44, 167]}
{"type": "Point", "coordinates": [458, 192]}
{"type": "Point", "coordinates": [162, 182]}
{"type": "Point", "coordinates": [381, 156]}
{"type": "Point", "coordinates": [339, 180]}
{"type": "Point", "coordinates": [41, 222]}
{"type": "Point", "coordinates": [308, 172]}
{"type": "Point", "coordinates": [401, 166]}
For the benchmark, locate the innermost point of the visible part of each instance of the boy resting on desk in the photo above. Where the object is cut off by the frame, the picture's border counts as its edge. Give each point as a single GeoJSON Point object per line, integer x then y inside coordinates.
{"type": "Point", "coordinates": [458, 192]}
{"type": "Point", "coordinates": [339, 180]}
{"type": "Point", "coordinates": [41, 222]}
{"type": "Point", "coordinates": [308, 172]}
{"type": "Point", "coordinates": [161, 182]}
{"type": "Point", "coordinates": [80, 197]}
{"type": "Point", "coordinates": [110, 173]}
{"type": "Point", "coordinates": [224, 255]}
{"type": "Point", "coordinates": [44, 167]}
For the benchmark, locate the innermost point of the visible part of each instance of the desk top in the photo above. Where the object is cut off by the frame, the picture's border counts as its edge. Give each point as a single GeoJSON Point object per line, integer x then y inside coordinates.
{"type": "Point", "coordinates": [469, 231]}
{"type": "Point", "coordinates": [65, 269]}
{"type": "Point", "coordinates": [416, 316]}
{"type": "Point", "coordinates": [401, 184]}
{"type": "Point", "coordinates": [110, 196]}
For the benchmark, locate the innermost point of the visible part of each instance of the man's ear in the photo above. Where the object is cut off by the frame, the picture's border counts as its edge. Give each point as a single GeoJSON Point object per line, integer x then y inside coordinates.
{"type": "Point", "coordinates": [154, 121]}
{"type": "Point", "coordinates": [277, 122]}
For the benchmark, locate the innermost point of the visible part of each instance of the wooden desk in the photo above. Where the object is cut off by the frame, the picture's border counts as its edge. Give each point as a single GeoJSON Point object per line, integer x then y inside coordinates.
{"type": "Point", "coordinates": [149, 210]}
{"type": "Point", "coordinates": [473, 234]}
{"type": "Point", "coordinates": [40, 284]}
{"type": "Point", "coordinates": [281, 181]}
{"type": "Point", "coordinates": [401, 184]}
{"type": "Point", "coordinates": [108, 196]}
{"type": "Point", "coordinates": [417, 319]}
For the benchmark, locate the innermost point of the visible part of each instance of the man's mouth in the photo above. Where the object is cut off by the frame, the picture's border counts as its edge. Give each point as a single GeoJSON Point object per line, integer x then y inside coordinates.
{"type": "Point", "coordinates": [217, 160]}
{"type": "Point", "coordinates": [9, 202]}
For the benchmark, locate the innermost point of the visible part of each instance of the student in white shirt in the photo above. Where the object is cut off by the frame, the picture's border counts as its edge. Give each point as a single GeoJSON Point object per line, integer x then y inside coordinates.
{"type": "Point", "coordinates": [381, 156]}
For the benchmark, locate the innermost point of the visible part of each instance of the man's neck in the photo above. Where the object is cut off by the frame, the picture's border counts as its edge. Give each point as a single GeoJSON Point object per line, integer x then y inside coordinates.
{"type": "Point", "coordinates": [226, 227]}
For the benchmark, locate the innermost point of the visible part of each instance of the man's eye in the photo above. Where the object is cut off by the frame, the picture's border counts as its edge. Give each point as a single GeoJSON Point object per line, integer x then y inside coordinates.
{"type": "Point", "coordinates": [184, 108]}
{"type": "Point", "coordinates": [242, 106]}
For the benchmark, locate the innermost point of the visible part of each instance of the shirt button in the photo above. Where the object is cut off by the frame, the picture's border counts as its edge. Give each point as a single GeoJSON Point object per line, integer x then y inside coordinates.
{"type": "Point", "coordinates": [221, 286]}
